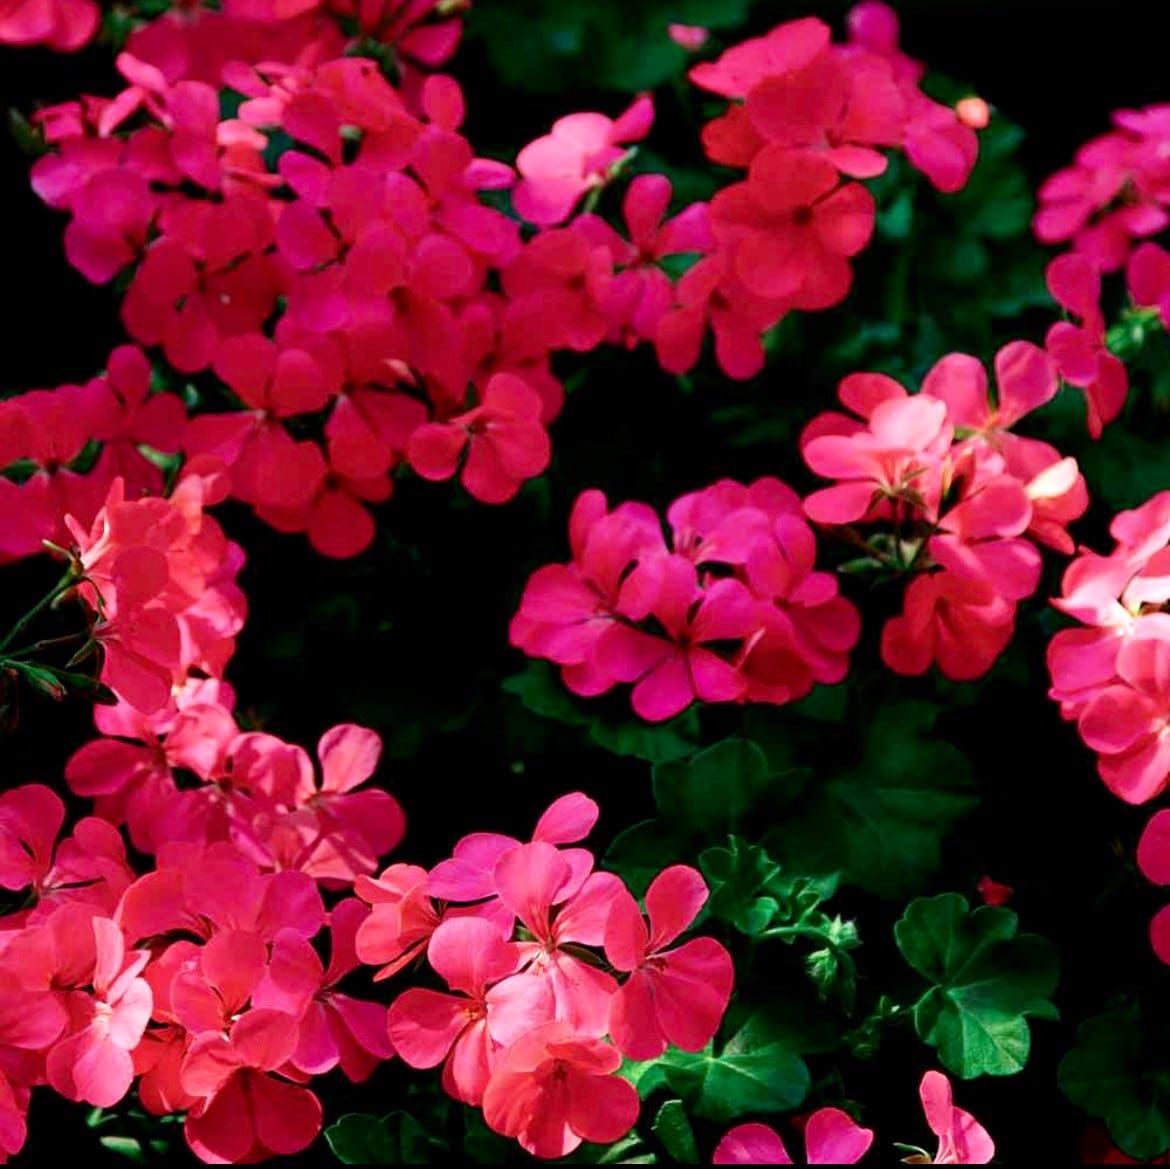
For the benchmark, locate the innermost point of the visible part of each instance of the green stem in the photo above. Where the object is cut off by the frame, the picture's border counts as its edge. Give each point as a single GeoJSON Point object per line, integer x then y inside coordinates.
{"type": "Point", "coordinates": [48, 643]}
{"type": "Point", "coordinates": [63, 585]}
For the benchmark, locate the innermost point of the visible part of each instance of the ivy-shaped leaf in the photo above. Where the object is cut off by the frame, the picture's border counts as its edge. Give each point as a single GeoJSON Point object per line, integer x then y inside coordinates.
{"type": "Point", "coordinates": [986, 979]}
{"type": "Point", "coordinates": [1118, 1072]}
{"type": "Point", "coordinates": [397, 1139]}
{"type": "Point", "coordinates": [711, 792]}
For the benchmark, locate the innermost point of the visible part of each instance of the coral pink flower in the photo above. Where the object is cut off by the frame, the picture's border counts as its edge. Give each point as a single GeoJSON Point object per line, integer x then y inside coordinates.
{"type": "Point", "coordinates": [673, 996]}
{"type": "Point", "coordinates": [561, 903]}
{"type": "Point", "coordinates": [670, 674]}
{"type": "Point", "coordinates": [1079, 350]}
{"type": "Point", "coordinates": [962, 1140]}
{"type": "Point", "coordinates": [30, 819]}
{"type": "Point", "coordinates": [691, 37]}
{"type": "Point", "coordinates": [401, 922]}
{"type": "Point", "coordinates": [506, 439]}
{"type": "Point", "coordinates": [243, 1111]}
{"type": "Point", "coordinates": [576, 156]}
{"type": "Point", "coordinates": [459, 1030]}
{"type": "Point", "coordinates": [334, 1029]}
{"type": "Point", "coordinates": [831, 1137]}
{"type": "Point", "coordinates": [93, 1062]}
{"type": "Point", "coordinates": [553, 1088]}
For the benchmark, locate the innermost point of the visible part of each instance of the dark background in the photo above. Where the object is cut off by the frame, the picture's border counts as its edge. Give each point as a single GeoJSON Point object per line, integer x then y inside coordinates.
{"type": "Point", "coordinates": [411, 637]}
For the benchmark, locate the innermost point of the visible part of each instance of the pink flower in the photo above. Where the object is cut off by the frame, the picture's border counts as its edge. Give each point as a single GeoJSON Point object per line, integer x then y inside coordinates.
{"type": "Point", "coordinates": [504, 436]}
{"type": "Point", "coordinates": [1079, 350]}
{"type": "Point", "coordinates": [93, 1062]}
{"type": "Point", "coordinates": [428, 1028]}
{"type": "Point", "coordinates": [334, 1029]}
{"type": "Point", "coordinates": [553, 1088]}
{"type": "Point", "coordinates": [793, 227]}
{"type": "Point", "coordinates": [62, 25]}
{"type": "Point", "coordinates": [831, 1137]}
{"type": "Point", "coordinates": [962, 1140]}
{"type": "Point", "coordinates": [993, 892]}
{"type": "Point", "coordinates": [561, 903]}
{"type": "Point", "coordinates": [671, 996]}
{"type": "Point", "coordinates": [402, 921]}
{"type": "Point", "coordinates": [895, 458]}
{"type": "Point", "coordinates": [691, 37]}
{"type": "Point", "coordinates": [244, 1111]}
{"type": "Point", "coordinates": [30, 819]}
{"type": "Point", "coordinates": [574, 157]}
{"type": "Point", "coordinates": [670, 672]}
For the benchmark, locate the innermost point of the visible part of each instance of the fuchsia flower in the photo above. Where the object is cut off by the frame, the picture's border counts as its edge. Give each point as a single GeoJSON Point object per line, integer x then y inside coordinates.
{"type": "Point", "coordinates": [1079, 350]}
{"type": "Point", "coordinates": [671, 996]}
{"type": "Point", "coordinates": [62, 25]}
{"type": "Point", "coordinates": [504, 436]}
{"type": "Point", "coordinates": [402, 920]}
{"type": "Point", "coordinates": [576, 156]}
{"type": "Point", "coordinates": [831, 1137]}
{"type": "Point", "coordinates": [555, 1088]}
{"type": "Point", "coordinates": [962, 1140]}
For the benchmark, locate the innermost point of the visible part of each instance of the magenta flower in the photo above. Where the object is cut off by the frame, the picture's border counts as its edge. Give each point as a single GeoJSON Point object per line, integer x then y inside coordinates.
{"type": "Point", "coordinates": [831, 1137]}
{"type": "Point", "coordinates": [673, 996]}
{"type": "Point", "coordinates": [962, 1140]}
{"type": "Point", "coordinates": [574, 157]}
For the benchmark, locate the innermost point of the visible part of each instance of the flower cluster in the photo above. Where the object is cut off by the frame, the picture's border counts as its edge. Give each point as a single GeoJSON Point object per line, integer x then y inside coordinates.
{"type": "Point", "coordinates": [198, 981]}
{"type": "Point", "coordinates": [935, 486]}
{"type": "Point", "coordinates": [521, 1027]}
{"type": "Point", "coordinates": [832, 1137]}
{"type": "Point", "coordinates": [732, 609]}
{"type": "Point", "coordinates": [61, 25]}
{"type": "Point", "coordinates": [62, 449]}
{"type": "Point", "coordinates": [807, 119]}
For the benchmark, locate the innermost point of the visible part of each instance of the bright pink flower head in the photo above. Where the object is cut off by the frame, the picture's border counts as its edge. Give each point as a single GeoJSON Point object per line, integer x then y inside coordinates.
{"type": "Point", "coordinates": [894, 460]}
{"type": "Point", "coordinates": [962, 1140]}
{"type": "Point", "coordinates": [672, 996]}
{"type": "Point", "coordinates": [62, 25]}
{"type": "Point", "coordinates": [691, 37]}
{"type": "Point", "coordinates": [573, 158]}
{"type": "Point", "coordinates": [561, 903]}
{"type": "Point", "coordinates": [402, 921]}
{"type": "Point", "coordinates": [244, 1111]}
{"type": "Point", "coordinates": [462, 1030]}
{"type": "Point", "coordinates": [831, 1137]}
{"type": "Point", "coordinates": [670, 672]}
{"type": "Point", "coordinates": [552, 1089]}
{"type": "Point", "coordinates": [1079, 350]}
{"type": "Point", "coordinates": [504, 437]}
{"type": "Point", "coordinates": [93, 1062]}
{"type": "Point", "coordinates": [30, 819]}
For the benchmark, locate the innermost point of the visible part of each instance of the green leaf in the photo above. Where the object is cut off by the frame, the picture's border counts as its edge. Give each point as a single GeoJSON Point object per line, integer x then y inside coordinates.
{"type": "Point", "coordinates": [641, 852]}
{"type": "Point", "coordinates": [655, 744]}
{"type": "Point", "coordinates": [397, 1139]}
{"type": "Point", "coordinates": [541, 690]}
{"type": "Point", "coordinates": [987, 981]}
{"type": "Point", "coordinates": [1119, 1073]}
{"type": "Point", "coordinates": [673, 1129]}
{"type": "Point", "coordinates": [882, 823]}
{"type": "Point", "coordinates": [128, 1147]}
{"type": "Point", "coordinates": [739, 877]}
{"type": "Point", "coordinates": [755, 1071]}
{"type": "Point", "coordinates": [711, 792]}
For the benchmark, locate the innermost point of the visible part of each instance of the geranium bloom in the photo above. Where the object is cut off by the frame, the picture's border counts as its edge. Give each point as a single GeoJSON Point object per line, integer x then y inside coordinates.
{"type": "Point", "coordinates": [1079, 350]}
{"type": "Point", "coordinates": [561, 904]}
{"type": "Point", "coordinates": [244, 1111]}
{"type": "Point", "coordinates": [553, 1088]}
{"type": "Point", "coordinates": [670, 673]}
{"type": "Point", "coordinates": [793, 227]}
{"type": "Point", "coordinates": [93, 1062]}
{"type": "Point", "coordinates": [62, 25]}
{"type": "Point", "coordinates": [507, 442]}
{"type": "Point", "coordinates": [831, 1137]}
{"type": "Point", "coordinates": [459, 1030]}
{"type": "Point", "coordinates": [402, 921]}
{"type": "Point", "coordinates": [575, 156]}
{"type": "Point", "coordinates": [671, 996]}
{"type": "Point", "coordinates": [962, 1140]}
